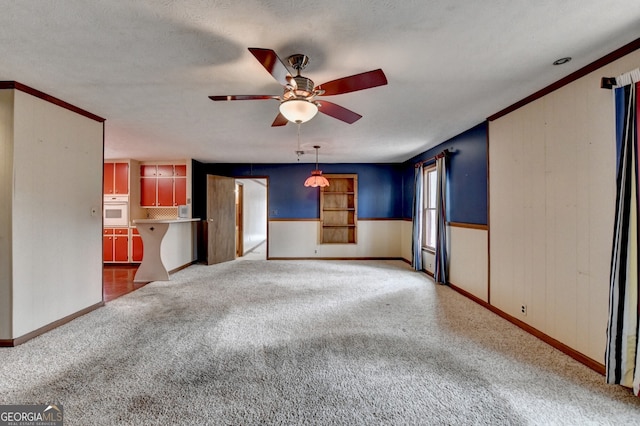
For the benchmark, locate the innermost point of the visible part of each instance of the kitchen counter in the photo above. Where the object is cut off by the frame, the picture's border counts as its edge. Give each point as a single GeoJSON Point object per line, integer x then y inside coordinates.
{"type": "Point", "coordinates": [180, 220]}
{"type": "Point", "coordinates": [168, 244]}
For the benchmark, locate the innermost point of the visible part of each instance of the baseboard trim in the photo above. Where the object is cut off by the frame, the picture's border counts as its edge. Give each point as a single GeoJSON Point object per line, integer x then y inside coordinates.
{"type": "Point", "coordinates": [20, 340]}
{"type": "Point", "coordinates": [591, 363]}
{"type": "Point", "coordinates": [254, 247]}
{"type": "Point", "coordinates": [185, 266]}
{"type": "Point", "coordinates": [335, 258]}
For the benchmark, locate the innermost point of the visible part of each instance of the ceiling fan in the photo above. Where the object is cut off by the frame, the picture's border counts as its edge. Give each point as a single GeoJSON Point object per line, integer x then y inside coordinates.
{"type": "Point", "coordinates": [298, 102]}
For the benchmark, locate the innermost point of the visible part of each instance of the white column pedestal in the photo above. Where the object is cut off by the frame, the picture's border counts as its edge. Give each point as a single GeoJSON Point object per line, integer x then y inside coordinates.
{"type": "Point", "coordinates": [152, 268]}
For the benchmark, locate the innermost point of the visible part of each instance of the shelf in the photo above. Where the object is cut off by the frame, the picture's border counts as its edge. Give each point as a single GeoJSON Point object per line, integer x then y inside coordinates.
{"type": "Point", "coordinates": [338, 209]}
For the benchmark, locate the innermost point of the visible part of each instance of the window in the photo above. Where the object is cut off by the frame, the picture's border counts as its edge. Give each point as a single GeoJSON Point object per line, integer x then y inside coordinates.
{"type": "Point", "coordinates": [429, 208]}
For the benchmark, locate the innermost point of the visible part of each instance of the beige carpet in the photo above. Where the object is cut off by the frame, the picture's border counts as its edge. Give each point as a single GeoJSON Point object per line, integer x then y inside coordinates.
{"type": "Point", "coordinates": [304, 343]}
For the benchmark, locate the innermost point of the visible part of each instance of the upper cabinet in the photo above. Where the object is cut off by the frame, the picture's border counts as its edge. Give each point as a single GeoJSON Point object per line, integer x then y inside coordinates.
{"type": "Point", "coordinates": [163, 185]}
{"type": "Point", "coordinates": [116, 179]}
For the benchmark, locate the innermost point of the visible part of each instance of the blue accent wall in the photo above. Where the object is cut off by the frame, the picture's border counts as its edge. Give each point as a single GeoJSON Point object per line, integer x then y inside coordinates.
{"type": "Point", "coordinates": [385, 191]}
{"type": "Point", "coordinates": [467, 176]}
{"type": "Point", "coordinates": [379, 187]}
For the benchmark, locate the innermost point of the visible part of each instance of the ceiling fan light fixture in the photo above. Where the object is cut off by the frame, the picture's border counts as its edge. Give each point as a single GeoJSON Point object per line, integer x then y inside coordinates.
{"type": "Point", "coordinates": [298, 110]}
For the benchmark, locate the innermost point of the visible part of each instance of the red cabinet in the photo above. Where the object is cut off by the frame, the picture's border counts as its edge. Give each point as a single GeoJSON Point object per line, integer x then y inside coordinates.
{"type": "Point", "coordinates": [180, 185]}
{"type": "Point", "coordinates": [148, 191]}
{"type": "Point", "coordinates": [164, 196]}
{"type": "Point", "coordinates": [163, 185]}
{"type": "Point", "coordinates": [137, 249]}
{"type": "Point", "coordinates": [180, 191]}
{"type": "Point", "coordinates": [116, 178]}
{"type": "Point", "coordinates": [115, 245]}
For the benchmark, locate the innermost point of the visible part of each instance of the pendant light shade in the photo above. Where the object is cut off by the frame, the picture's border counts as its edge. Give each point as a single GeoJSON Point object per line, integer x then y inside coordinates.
{"type": "Point", "coordinates": [298, 110]}
{"type": "Point", "coordinates": [316, 179]}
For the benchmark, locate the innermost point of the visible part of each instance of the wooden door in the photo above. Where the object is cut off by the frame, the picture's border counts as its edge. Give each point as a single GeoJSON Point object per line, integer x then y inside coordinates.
{"type": "Point", "coordinates": [221, 219]}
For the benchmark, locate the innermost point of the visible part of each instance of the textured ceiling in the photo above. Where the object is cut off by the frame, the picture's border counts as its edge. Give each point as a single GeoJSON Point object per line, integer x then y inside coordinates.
{"type": "Point", "coordinates": [148, 67]}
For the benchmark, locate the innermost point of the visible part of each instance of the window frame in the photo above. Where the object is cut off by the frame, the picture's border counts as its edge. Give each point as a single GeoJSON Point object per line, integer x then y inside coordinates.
{"type": "Point", "coordinates": [429, 171]}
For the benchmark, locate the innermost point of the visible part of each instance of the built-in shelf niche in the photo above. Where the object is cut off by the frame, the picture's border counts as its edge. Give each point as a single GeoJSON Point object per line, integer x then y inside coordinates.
{"type": "Point", "coordinates": [339, 209]}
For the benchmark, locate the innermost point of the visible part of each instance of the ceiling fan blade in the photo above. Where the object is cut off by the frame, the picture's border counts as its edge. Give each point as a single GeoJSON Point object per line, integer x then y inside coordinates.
{"type": "Point", "coordinates": [279, 121]}
{"type": "Point", "coordinates": [336, 111]}
{"type": "Point", "coordinates": [365, 80]}
{"type": "Point", "coordinates": [241, 97]}
{"type": "Point", "coordinates": [272, 63]}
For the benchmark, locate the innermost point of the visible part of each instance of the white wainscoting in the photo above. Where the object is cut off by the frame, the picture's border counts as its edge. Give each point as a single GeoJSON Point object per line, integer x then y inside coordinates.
{"type": "Point", "coordinates": [469, 260]}
{"type": "Point", "coordinates": [406, 229]}
{"type": "Point", "coordinates": [300, 239]}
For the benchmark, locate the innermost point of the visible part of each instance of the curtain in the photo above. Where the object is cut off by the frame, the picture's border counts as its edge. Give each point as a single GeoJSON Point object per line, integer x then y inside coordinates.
{"type": "Point", "coordinates": [416, 246]}
{"type": "Point", "coordinates": [621, 358]}
{"type": "Point", "coordinates": [440, 274]}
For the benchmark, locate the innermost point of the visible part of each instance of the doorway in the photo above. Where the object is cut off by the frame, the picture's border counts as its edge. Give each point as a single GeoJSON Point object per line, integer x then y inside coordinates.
{"type": "Point", "coordinates": [254, 218]}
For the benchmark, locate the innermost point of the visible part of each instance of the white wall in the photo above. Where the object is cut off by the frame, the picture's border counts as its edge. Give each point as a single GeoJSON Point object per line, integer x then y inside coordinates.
{"type": "Point", "coordinates": [254, 214]}
{"type": "Point", "coordinates": [552, 186]}
{"type": "Point", "coordinates": [179, 246]}
{"type": "Point", "coordinates": [56, 241]}
{"type": "Point", "coordinates": [300, 239]}
{"type": "Point", "coordinates": [6, 188]}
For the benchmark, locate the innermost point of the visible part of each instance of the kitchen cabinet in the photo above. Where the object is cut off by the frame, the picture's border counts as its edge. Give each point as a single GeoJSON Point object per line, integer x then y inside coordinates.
{"type": "Point", "coordinates": [339, 209]}
{"type": "Point", "coordinates": [115, 245]}
{"type": "Point", "coordinates": [137, 249]}
{"type": "Point", "coordinates": [116, 178]}
{"type": "Point", "coordinates": [163, 185]}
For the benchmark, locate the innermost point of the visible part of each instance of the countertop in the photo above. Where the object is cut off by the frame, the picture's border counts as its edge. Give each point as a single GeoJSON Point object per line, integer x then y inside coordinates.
{"type": "Point", "coordinates": [180, 220]}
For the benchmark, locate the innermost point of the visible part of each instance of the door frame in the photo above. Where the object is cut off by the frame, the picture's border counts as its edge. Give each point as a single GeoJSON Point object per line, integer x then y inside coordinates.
{"type": "Point", "coordinates": [264, 180]}
{"type": "Point", "coordinates": [239, 219]}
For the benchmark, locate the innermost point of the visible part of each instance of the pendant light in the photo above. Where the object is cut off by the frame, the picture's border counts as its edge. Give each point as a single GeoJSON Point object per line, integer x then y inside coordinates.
{"type": "Point", "coordinates": [316, 179]}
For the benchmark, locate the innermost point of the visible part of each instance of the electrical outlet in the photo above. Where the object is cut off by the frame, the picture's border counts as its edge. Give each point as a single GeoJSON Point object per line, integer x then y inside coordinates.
{"type": "Point", "coordinates": [523, 310]}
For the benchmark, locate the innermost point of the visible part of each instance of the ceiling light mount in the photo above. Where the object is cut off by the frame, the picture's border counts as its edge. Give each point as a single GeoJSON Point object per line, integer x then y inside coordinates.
{"type": "Point", "coordinates": [298, 61]}
{"type": "Point", "coordinates": [562, 61]}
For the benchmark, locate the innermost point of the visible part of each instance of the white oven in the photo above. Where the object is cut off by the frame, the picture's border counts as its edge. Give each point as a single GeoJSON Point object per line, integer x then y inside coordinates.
{"type": "Point", "coordinates": [116, 210]}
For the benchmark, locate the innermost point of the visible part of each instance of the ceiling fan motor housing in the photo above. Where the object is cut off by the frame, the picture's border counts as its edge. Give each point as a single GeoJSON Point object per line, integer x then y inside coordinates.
{"type": "Point", "coordinates": [304, 88]}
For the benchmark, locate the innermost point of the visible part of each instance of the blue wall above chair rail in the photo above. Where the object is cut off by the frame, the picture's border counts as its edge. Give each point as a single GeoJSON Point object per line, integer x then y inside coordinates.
{"type": "Point", "coordinates": [379, 187]}
{"type": "Point", "coordinates": [385, 191]}
{"type": "Point", "coordinates": [467, 176]}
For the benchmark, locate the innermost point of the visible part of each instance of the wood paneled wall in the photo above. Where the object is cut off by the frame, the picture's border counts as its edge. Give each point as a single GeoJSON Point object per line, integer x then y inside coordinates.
{"type": "Point", "coordinates": [552, 202]}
